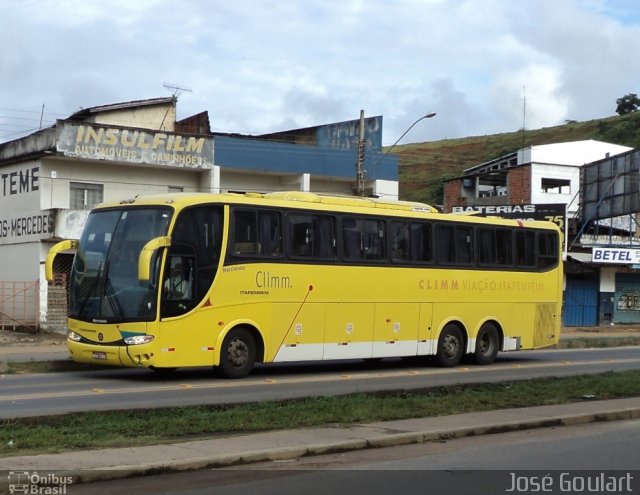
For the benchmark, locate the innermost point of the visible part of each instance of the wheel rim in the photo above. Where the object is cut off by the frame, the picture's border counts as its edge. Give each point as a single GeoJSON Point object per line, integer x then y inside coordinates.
{"type": "Point", "coordinates": [238, 353]}
{"type": "Point", "coordinates": [486, 344]}
{"type": "Point", "coordinates": [450, 345]}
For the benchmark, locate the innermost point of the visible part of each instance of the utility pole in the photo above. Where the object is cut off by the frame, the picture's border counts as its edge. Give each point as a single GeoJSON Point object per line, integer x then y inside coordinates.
{"type": "Point", "coordinates": [524, 112]}
{"type": "Point", "coordinates": [360, 191]}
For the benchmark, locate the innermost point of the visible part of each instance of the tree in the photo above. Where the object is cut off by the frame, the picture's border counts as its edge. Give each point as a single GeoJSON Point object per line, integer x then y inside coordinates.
{"type": "Point", "coordinates": [627, 104]}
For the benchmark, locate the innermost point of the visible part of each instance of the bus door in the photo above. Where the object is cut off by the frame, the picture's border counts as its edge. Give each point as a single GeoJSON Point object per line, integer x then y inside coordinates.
{"type": "Point", "coordinates": [188, 335]}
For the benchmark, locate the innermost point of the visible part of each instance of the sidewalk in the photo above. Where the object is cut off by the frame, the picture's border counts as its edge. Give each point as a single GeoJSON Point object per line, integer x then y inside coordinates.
{"type": "Point", "coordinates": [18, 347]}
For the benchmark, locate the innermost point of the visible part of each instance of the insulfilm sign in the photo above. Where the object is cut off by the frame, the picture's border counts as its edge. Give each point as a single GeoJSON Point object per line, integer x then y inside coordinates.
{"type": "Point", "coordinates": [134, 145]}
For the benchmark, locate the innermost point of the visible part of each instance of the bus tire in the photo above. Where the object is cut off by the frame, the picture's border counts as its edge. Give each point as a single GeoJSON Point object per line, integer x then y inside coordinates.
{"type": "Point", "coordinates": [238, 354]}
{"type": "Point", "coordinates": [450, 346]}
{"type": "Point", "coordinates": [487, 344]}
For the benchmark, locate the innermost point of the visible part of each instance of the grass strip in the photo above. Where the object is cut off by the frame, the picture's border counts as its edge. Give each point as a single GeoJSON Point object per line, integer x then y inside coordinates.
{"type": "Point", "coordinates": [50, 434]}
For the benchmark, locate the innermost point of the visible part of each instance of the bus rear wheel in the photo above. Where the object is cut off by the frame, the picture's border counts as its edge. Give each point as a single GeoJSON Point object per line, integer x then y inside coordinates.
{"type": "Point", "coordinates": [450, 346]}
{"type": "Point", "coordinates": [487, 344]}
{"type": "Point", "coordinates": [238, 354]}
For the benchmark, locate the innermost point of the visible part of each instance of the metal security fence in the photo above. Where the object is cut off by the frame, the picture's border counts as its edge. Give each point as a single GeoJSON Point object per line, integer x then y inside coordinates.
{"type": "Point", "coordinates": [19, 305]}
{"type": "Point", "coordinates": [58, 292]}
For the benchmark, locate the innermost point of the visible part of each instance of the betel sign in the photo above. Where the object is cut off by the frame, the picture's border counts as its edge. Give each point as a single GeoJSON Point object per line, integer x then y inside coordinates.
{"type": "Point", "coordinates": [615, 255]}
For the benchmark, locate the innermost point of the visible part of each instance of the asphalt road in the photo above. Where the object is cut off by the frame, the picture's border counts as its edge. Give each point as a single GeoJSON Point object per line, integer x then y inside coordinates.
{"type": "Point", "coordinates": [57, 393]}
{"type": "Point", "coordinates": [566, 459]}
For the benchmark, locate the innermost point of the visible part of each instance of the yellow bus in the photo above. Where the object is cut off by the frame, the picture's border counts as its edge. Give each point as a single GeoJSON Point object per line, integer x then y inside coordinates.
{"type": "Point", "coordinates": [231, 280]}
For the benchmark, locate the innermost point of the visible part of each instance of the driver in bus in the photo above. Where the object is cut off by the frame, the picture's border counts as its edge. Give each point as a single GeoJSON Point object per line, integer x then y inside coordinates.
{"type": "Point", "coordinates": [177, 285]}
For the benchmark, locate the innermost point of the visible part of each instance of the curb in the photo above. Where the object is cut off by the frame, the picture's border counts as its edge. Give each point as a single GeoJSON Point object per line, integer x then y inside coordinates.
{"type": "Point", "coordinates": [391, 440]}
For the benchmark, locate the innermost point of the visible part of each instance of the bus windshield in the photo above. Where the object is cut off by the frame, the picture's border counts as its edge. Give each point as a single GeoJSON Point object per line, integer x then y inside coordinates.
{"type": "Point", "coordinates": [104, 283]}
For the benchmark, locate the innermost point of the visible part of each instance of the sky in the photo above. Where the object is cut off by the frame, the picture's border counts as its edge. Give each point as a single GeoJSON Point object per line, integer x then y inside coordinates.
{"type": "Point", "coordinates": [260, 66]}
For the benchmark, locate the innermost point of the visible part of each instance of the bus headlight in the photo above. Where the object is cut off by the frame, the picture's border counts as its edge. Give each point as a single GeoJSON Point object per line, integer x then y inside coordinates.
{"type": "Point", "coordinates": [138, 339]}
{"type": "Point", "coordinates": [71, 335]}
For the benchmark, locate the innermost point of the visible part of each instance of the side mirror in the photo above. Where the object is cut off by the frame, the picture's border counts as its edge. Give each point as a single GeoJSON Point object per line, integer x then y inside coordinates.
{"type": "Point", "coordinates": [144, 260]}
{"type": "Point", "coordinates": [53, 252]}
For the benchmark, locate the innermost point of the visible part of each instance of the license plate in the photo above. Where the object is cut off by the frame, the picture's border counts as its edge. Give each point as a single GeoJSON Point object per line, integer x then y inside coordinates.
{"type": "Point", "coordinates": [100, 355]}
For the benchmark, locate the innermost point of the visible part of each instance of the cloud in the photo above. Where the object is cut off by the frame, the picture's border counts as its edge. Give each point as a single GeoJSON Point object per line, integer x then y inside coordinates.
{"type": "Point", "coordinates": [256, 65]}
{"type": "Point", "coordinates": [529, 96]}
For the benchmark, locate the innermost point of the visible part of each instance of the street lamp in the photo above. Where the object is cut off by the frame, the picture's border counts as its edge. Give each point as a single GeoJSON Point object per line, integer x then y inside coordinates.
{"type": "Point", "coordinates": [361, 188]}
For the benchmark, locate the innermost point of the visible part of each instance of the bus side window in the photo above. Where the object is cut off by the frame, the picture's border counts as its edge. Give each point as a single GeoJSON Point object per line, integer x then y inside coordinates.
{"type": "Point", "coordinates": [445, 251]}
{"type": "Point", "coordinates": [486, 246]}
{"type": "Point", "coordinates": [547, 249]}
{"type": "Point", "coordinates": [525, 249]}
{"type": "Point", "coordinates": [351, 242]}
{"type": "Point", "coordinates": [270, 233]}
{"type": "Point", "coordinates": [400, 235]}
{"type": "Point", "coordinates": [301, 239]}
{"type": "Point", "coordinates": [324, 227]}
{"type": "Point", "coordinates": [351, 239]}
{"type": "Point", "coordinates": [245, 233]}
{"type": "Point", "coordinates": [257, 233]}
{"type": "Point", "coordinates": [311, 236]}
{"type": "Point", "coordinates": [454, 244]}
{"type": "Point", "coordinates": [464, 244]}
{"type": "Point", "coordinates": [494, 246]}
{"type": "Point", "coordinates": [504, 247]}
{"type": "Point", "coordinates": [373, 239]}
{"type": "Point", "coordinates": [421, 243]}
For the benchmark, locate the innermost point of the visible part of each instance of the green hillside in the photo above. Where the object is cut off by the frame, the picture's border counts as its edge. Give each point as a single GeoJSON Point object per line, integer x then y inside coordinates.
{"type": "Point", "coordinates": [423, 166]}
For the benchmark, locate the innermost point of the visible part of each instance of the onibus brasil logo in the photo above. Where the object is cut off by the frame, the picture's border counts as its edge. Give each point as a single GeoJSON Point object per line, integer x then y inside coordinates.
{"type": "Point", "coordinates": [33, 483]}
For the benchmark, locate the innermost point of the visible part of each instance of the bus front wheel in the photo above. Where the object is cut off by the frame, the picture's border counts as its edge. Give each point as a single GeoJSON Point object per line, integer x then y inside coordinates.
{"type": "Point", "coordinates": [238, 354]}
{"type": "Point", "coordinates": [450, 346]}
{"type": "Point", "coordinates": [487, 344]}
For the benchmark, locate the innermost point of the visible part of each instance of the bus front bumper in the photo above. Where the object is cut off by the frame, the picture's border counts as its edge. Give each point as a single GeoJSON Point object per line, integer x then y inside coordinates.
{"type": "Point", "coordinates": [130, 356]}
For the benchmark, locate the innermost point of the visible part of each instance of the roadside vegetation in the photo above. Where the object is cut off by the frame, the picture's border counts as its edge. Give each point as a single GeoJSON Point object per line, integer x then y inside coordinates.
{"type": "Point", "coordinates": [93, 430]}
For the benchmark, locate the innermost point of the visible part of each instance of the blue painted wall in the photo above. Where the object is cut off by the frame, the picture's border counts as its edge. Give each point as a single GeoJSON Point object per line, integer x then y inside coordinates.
{"type": "Point", "coordinates": [580, 303]}
{"type": "Point", "coordinates": [344, 135]}
{"type": "Point", "coordinates": [269, 156]}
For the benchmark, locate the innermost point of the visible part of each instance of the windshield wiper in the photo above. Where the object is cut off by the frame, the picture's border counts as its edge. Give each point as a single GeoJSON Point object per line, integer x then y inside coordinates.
{"type": "Point", "coordinates": [109, 294]}
{"type": "Point", "coordinates": [91, 290]}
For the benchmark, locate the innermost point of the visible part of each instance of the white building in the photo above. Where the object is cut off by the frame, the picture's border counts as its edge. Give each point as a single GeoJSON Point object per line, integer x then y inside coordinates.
{"type": "Point", "coordinates": [540, 174]}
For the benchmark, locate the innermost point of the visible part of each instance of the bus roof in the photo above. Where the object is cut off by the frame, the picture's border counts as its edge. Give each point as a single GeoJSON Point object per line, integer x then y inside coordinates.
{"type": "Point", "coordinates": [281, 196]}
{"type": "Point", "coordinates": [311, 200]}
